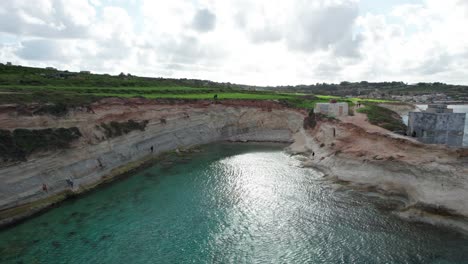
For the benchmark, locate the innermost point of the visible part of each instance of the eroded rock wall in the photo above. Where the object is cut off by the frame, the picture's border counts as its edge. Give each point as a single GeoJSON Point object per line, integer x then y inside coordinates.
{"type": "Point", "coordinates": [95, 157]}
{"type": "Point", "coordinates": [428, 175]}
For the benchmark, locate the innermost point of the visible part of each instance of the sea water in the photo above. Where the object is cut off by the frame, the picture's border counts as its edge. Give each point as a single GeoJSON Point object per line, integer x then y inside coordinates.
{"type": "Point", "coordinates": [229, 203]}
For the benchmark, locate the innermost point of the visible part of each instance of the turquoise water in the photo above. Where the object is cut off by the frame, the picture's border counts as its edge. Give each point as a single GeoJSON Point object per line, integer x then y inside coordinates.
{"type": "Point", "coordinates": [228, 204]}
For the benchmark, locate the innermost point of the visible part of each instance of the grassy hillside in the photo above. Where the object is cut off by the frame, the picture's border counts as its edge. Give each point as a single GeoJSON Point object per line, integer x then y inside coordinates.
{"type": "Point", "coordinates": [383, 117]}
{"type": "Point", "coordinates": [29, 77]}
{"type": "Point", "coordinates": [22, 85]}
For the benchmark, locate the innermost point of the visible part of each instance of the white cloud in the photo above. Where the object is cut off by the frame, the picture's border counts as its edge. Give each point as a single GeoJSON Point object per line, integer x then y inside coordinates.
{"type": "Point", "coordinates": [426, 43]}
{"type": "Point", "coordinates": [46, 18]}
{"type": "Point", "coordinates": [257, 42]}
{"type": "Point", "coordinates": [204, 20]}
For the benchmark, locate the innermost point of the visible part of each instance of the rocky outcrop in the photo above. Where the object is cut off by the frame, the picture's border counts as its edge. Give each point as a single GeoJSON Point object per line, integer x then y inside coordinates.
{"type": "Point", "coordinates": [432, 178]}
{"type": "Point", "coordinates": [96, 157]}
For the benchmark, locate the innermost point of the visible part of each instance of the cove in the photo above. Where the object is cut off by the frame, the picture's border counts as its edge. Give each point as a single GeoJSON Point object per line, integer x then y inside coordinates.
{"type": "Point", "coordinates": [229, 203]}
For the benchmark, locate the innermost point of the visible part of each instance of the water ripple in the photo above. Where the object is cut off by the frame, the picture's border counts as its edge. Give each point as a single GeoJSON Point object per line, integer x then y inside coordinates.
{"type": "Point", "coordinates": [229, 204]}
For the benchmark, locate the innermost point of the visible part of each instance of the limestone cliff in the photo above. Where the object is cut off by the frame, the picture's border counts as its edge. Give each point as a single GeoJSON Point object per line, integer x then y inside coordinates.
{"type": "Point", "coordinates": [95, 158]}
{"type": "Point", "coordinates": [433, 179]}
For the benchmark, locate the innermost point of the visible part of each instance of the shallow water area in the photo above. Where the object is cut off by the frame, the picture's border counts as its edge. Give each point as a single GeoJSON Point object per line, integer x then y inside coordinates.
{"type": "Point", "coordinates": [230, 203]}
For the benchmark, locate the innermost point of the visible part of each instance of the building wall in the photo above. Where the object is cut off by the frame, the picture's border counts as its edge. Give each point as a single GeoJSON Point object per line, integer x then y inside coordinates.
{"type": "Point", "coordinates": [321, 108]}
{"type": "Point", "coordinates": [332, 109]}
{"type": "Point", "coordinates": [438, 108]}
{"type": "Point", "coordinates": [437, 128]}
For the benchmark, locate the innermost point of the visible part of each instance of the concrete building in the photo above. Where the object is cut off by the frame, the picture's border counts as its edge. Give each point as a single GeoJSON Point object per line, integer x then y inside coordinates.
{"type": "Point", "coordinates": [9, 64]}
{"type": "Point", "coordinates": [332, 109]}
{"type": "Point", "coordinates": [437, 125]}
{"type": "Point", "coordinates": [438, 108]}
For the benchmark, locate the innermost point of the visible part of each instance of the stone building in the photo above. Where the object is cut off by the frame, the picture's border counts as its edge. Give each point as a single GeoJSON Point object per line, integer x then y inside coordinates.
{"type": "Point", "coordinates": [332, 109]}
{"type": "Point", "coordinates": [437, 125]}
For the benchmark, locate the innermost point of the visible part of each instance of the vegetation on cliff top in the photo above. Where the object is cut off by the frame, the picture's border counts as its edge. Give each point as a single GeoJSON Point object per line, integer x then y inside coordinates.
{"type": "Point", "coordinates": [19, 144]}
{"type": "Point", "coordinates": [38, 77]}
{"type": "Point", "coordinates": [23, 85]}
{"type": "Point", "coordinates": [383, 117]}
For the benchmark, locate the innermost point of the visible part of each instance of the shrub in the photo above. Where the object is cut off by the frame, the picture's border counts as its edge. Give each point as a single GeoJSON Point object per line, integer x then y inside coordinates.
{"type": "Point", "coordinates": [116, 129]}
{"type": "Point", "coordinates": [20, 143]}
{"type": "Point", "coordinates": [383, 117]}
{"type": "Point", "coordinates": [310, 121]}
{"type": "Point", "coordinates": [31, 141]}
{"type": "Point", "coordinates": [58, 109]}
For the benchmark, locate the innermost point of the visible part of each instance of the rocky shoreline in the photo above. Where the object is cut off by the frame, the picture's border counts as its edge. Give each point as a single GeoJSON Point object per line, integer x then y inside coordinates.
{"type": "Point", "coordinates": [432, 179]}
{"type": "Point", "coordinates": [100, 156]}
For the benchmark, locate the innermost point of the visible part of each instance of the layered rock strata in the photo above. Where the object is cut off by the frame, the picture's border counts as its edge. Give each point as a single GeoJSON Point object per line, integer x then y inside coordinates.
{"type": "Point", "coordinates": [95, 158]}
{"type": "Point", "coordinates": [432, 178]}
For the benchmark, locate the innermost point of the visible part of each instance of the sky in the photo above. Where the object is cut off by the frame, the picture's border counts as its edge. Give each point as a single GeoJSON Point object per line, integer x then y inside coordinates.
{"type": "Point", "coordinates": [261, 42]}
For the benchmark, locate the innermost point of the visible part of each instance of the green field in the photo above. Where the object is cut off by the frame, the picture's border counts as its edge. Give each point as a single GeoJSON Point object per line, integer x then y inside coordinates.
{"type": "Point", "coordinates": [78, 88]}
{"type": "Point", "coordinates": [82, 95]}
{"type": "Point", "coordinates": [23, 85]}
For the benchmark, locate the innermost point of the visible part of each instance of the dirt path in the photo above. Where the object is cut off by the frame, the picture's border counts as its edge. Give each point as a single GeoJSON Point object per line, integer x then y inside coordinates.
{"type": "Point", "coordinates": [360, 120]}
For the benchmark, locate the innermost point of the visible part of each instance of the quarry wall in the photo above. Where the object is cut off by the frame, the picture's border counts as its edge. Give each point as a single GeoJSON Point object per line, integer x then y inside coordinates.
{"type": "Point", "coordinates": [95, 158]}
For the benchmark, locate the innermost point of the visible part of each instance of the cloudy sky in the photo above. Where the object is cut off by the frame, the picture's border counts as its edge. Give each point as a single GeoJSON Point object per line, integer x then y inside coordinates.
{"type": "Point", "coordinates": [262, 42]}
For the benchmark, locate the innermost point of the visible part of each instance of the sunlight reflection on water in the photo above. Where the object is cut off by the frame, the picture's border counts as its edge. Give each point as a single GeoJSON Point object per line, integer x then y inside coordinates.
{"type": "Point", "coordinates": [228, 204]}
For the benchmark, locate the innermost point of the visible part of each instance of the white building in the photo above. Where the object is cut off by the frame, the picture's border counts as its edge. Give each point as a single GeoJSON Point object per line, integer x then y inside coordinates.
{"type": "Point", "coordinates": [332, 109]}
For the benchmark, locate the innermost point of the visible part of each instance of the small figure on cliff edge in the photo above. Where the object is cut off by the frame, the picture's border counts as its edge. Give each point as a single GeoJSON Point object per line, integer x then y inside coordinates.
{"type": "Point", "coordinates": [44, 188]}
{"type": "Point", "coordinates": [152, 149]}
{"type": "Point", "coordinates": [70, 182]}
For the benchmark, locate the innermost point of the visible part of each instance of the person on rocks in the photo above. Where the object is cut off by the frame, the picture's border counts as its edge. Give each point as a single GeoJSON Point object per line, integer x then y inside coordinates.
{"type": "Point", "coordinates": [44, 188]}
{"type": "Point", "coordinates": [70, 182]}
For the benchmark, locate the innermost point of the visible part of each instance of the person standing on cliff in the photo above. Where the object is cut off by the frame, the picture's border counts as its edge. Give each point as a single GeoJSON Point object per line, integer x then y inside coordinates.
{"type": "Point", "coordinates": [44, 188]}
{"type": "Point", "coordinates": [70, 182]}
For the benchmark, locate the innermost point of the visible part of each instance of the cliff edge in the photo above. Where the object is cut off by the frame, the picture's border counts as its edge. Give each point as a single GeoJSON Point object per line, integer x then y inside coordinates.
{"type": "Point", "coordinates": [43, 164]}
{"type": "Point", "coordinates": [432, 178]}
{"type": "Point", "coordinates": [50, 154]}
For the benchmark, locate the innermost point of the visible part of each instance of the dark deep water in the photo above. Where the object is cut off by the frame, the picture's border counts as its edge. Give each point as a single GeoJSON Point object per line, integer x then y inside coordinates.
{"type": "Point", "coordinates": [230, 203]}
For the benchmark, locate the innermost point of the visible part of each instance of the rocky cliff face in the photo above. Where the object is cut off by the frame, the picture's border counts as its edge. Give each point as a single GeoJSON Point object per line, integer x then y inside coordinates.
{"type": "Point", "coordinates": [96, 158]}
{"type": "Point", "coordinates": [433, 179]}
